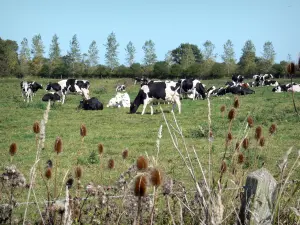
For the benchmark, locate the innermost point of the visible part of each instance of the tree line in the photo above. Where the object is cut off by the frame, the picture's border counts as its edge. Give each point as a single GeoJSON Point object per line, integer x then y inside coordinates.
{"type": "Point", "coordinates": [187, 60]}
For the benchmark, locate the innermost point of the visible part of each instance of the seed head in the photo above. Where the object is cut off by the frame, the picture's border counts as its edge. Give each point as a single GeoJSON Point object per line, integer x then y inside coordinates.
{"type": "Point", "coordinates": [250, 121]}
{"type": "Point", "coordinates": [125, 154]}
{"type": "Point", "coordinates": [58, 145]}
{"type": "Point", "coordinates": [83, 130]}
{"type": "Point", "coordinates": [291, 68]}
{"type": "Point", "coordinates": [48, 173]}
{"type": "Point", "coordinates": [141, 163]}
{"type": "Point", "coordinates": [100, 149]}
{"type": "Point", "coordinates": [236, 103]}
{"type": "Point", "coordinates": [258, 133]}
{"type": "Point", "coordinates": [231, 114]}
{"type": "Point", "coordinates": [223, 167]}
{"type": "Point", "coordinates": [13, 149]}
{"type": "Point", "coordinates": [262, 141]}
{"type": "Point", "coordinates": [237, 146]}
{"type": "Point", "coordinates": [241, 158]}
{"type": "Point", "coordinates": [222, 109]}
{"type": "Point", "coordinates": [245, 143]}
{"type": "Point", "coordinates": [111, 164]}
{"type": "Point", "coordinates": [78, 172]}
{"type": "Point", "coordinates": [229, 136]}
{"type": "Point", "coordinates": [140, 186]}
{"type": "Point", "coordinates": [155, 177]}
{"type": "Point", "coordinates": [36, 127]}
{"type": "Point", "coordinates": [272, 128]}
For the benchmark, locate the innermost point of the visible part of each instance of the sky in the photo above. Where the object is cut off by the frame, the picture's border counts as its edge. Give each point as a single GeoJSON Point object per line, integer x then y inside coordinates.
{"type": "Point", "coordinates": [168, 23]}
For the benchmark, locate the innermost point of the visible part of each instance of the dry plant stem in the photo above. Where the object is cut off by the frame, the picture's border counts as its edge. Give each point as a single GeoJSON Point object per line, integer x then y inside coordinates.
{"type": "Point", "coordinates": [180, 201]}
{"type": "Point", "coordinates": [210, 145]}
{"type": "Point", "coordinates": [169, 208]}
{"type": "Point", "coordinates": [138, 216]}
{"type": "Point", "coordinates": [293, 96]}
{"type": "Point", "coordinates": [63, 183]}
{"type": "Point", "coordinates": [84, 201]}
{"type": "Point", "coordinates": [153, 208]}
{"type": "Point", "coordinates": [55, 187]}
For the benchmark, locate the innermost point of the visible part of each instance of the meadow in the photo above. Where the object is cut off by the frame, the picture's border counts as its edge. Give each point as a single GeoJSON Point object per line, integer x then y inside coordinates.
{"type": "Point", "coordinates": [118, 130]}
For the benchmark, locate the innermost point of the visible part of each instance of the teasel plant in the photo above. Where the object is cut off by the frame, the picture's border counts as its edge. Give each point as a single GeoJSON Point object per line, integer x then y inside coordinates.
{"type": "Point", "coordinates": [140, 188]}
{"type": "Point", "coordinates": [78, 175]}
{"type": "Point", "coordinates": [156, 180]}
{"type": "Point", "coordinates": [58, 147]}
{"type": "Point", "coordinates": [110, 166]}
{"type": "Point", "coordinates": [222, 110]}
{"type": "Point", "coordinates": [83, 133]}
{"type": "Point", "coordinates": [291, 70]}
{"type": "Point", "coordinates": [36, 129]}
{"type": "Point", "coordinates": [124, 155]}
{"type": "Point", "coordinates": [12, 151]}
{"type": "Point", "coordinates": [100, 154]}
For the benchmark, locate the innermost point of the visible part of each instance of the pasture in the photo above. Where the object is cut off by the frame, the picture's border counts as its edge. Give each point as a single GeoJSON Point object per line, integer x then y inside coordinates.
{"type": "Point", "coordinates": [117, 130]}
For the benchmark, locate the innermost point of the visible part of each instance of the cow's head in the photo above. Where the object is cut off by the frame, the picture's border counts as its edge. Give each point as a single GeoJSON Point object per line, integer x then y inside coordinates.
{"type": "Point", "coordinates": [133, 107]}
{"type": "Point", "coordinates": [49, 86]}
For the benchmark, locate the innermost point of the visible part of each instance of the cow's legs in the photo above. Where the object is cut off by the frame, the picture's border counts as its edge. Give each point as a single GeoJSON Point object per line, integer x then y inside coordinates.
{"type": "Point", "coordinates": [178, 103]}
{"type": "Point", "coordinates": [63, 96]}
{"type": "Point", "coordinates": [144, 108]}
{"type": "Point", "coordinates": [151, 108]}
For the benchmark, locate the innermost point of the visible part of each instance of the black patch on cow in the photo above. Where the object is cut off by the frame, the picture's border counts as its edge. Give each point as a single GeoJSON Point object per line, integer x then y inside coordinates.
{"type": "Point", "coordinates": [157, 90]}
{"type": "Point", "coordinates": [201, 90]}
{"type": "Point", "coordinates": [53, 87]}
{"type": "Point", "coordinates": [91, 104]}
{"type": "Point", "coordinates": [35, 86]}
{"type": "Point", "coordinates": [52, 97]}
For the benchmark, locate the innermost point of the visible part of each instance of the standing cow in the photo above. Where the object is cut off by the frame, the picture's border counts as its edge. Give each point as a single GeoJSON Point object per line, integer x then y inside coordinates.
{"type": "Point", "coordinates": [29, 88]}
{"type": "Point", "coordinates": [192, 88]}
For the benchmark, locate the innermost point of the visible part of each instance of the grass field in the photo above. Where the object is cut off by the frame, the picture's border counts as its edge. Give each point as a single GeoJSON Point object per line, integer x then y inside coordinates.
{"type": "Point", "coordinates": [117, 130]}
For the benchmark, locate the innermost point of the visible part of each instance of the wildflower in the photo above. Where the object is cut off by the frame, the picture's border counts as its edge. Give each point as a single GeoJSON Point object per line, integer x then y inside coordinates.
{"type": "Point", "coordinates": [231, 114]}
{"type": "Point", "coordinates": [58, 145]}
{"type": "Point", "coordinates": [236, 103]}
{"type": "Point", "coordinates": [258, 133]}
{"type": "Point", "coordinates": [241, 158]}
{"type": "Point", "coordinates": [155, 177]}
{"type": "Point", "coordinates": [140, 186]}
{"type": "Point", "coordinates": [83, 130]}
{"type": "Point", "coordinates": [78, 172]}
{"type": "Point", "coordinates": [111, 164]}
{"type": "Point", "coordinates": [272, 129]}
{"type": "Point", "coordinates": [48, 173]}
{"type": "Point", "coordinates": [100, 149]}
{"type": "Point", "coordinates": [250, 121]}
{"type": "Point", "coordinates": [245, 143]}
{"type": "Point", "coordinates": [262, 141]}
{"type": "Point", "coordinates": [36, 127]}
{"type": "Point", "coordinates": [141, 163]}
{"type": "Point", "coordinates": [13, 149]}
{"type": "Point", "coordinates": [125, 154]}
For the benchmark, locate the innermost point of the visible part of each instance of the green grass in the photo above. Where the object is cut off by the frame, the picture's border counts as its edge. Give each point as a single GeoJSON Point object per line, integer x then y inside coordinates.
{"type": "Point", "coordinates": [117, 130]}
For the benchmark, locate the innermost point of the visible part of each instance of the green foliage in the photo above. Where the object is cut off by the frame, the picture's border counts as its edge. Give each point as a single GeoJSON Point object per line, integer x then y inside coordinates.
{"type": "Point", "coordinates": [75, 56]}
{"type": "Point", "coordinates": [149, 51]}
{"type": "Point", "coordinates": [161, 69]}
{"type": "Point", "coordinates": [178, 53]}
{"type": "Point", "coordinates": [111, 55]}
{"type": "Point", "coordinates": [93, 54]}
{"type": "Point", "coordinates": [130, 53]}
{"type": "Point", "coordinates": [93, 158]}
{"type": "Point", "coordinates": [247, 60]}
{"type": "Point", "coordinates": [229, 57]}
{"type": "Point", "coordinates": [187, 58]}
{"type": "Point", "coordinates": [24, 57]}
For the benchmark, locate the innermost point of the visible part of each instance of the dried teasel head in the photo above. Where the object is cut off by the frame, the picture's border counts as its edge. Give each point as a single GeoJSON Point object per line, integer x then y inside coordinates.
{"type": "Point", "coordinates": [250, 121]}
{"type": "Point", "coordinates": [262, 141]}
{"type": "Point", "coordinates": [140, 186]}
{"type": "Point", "coordinates": [245, 143]}
{"type": "Point", "coordinates": [100, 149]}
{"type": "Point", "coordinates": [231, 114]}
{"type": "Point", "coordinates": [141, 163]}
{"type": "Point", "coordinates": [272, 128]}
{"type": "Point", "coordinates": [125, 154]}
{"type": "Point", "coordinates": [222, 109]}
{"type": "Point", "coordinates": [83, 130]}
{"type": "Point", "coordinates": [237, 146]}
{"type": "Point", "coordinates": [78, 172]}
{"type": "Point", "coordinates": [13, 149]}
{"type": "Point", "coordinates": [236, 103]}
{"type": "Point", "coordinates": [229, 136]}
{"type": "Point", "coordinates": [48, 173]}
{"type": "Point", "coordinates": [36, 127]}
{"type": "Point", "coordinates": [291, 68]}
{"type": "Point", "coordinates": [223, 167]}
{"type": "Point", "coordinates": [258, 133]}
{"type": "Point", "coordinates": [155, 177]}
{"type": "Point", "coordinates": [241, 158]}
{"type": "Point", "coordinates": [58, 145]}
{"type": "Point", "coordinates": [111, 164]}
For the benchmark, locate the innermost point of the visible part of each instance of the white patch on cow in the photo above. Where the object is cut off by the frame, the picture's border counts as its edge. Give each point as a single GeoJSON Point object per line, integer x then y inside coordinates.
{"type": "Point", "coordinates": [120, 100]}
{"type": "Point", "coordinates": [295, 88]}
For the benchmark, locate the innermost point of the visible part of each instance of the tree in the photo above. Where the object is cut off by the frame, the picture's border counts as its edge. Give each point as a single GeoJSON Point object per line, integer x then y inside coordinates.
{"type": "Point", "coordinates": [229, 57]}
{"type": "Point", "coordinates": [130, 53]}
{"type": "Point", "coordinates": [111, 55]}
{"type": "Point", "coordinates": [93, 54]}
{"type": "Point", "coordinates": [75, 55]}
{"type": "Point", "coordinates": [54, 56]}
{"type": "Point", "coordinates": [247, 60]}
{"type": "Point", "coordinates": [209, 56]}
{"type": "Point", "coordinates": [168, 58]}
{"type": "Point", "coordinates": [161, 69]}
{"type": "Point", "coordinates": [150, 55]}
{"type": "Point", "coordinates": [187, 58]}
{"type": "Point", "coordinates": [179, 51]}
{"type": "Point", "coordinates": [38, 52]}
{"type": "Point", "coordinates": [9, 64]}
{"type": "Point", "coordinates": [24, 57]}
{"type": "Point", "coordinates": [268, 56]}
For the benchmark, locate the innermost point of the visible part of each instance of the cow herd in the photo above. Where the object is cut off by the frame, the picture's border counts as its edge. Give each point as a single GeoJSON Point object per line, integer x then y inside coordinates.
{"type": "Point", "coordinates": [151, 92]}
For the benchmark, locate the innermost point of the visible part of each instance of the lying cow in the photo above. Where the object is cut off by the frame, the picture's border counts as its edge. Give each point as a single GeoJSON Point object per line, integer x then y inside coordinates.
{"type": "Point", "coordinates": [120, 88]}
{"type": "Point", "coordinates": [53, 97]}
{"type": "Point", "coordinates": [156, 92]}
{"type": "Point", "coordinates": [283, 87]}
{"type": "Point", "coordinates": [239, 90]}
{"type": "Point", "coordinates": [192, 88]}
{"type": "Point", "coordinates": [68, 86]}
{"type": "Point", "coordinates": [237, 79]}
{"type": "Point", "coordinates": [270, 83]}
{"type": "Point", "coordinates": [120, 100]}
{"type": "Point", "coordinates": [29, 88]}
{"type": "Point", "coordinates": [294, 88]}
{"type": "Point", "coordinates": [90, 104]}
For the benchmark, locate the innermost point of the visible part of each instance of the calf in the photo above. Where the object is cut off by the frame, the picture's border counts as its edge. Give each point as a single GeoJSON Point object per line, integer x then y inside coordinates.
{"type": "Point", "coordinates": [29, 88]}
{"type": "Point", "coordinates": [120, 88]}
{"type": "Point", "coordinates": [120, 100]}
{"type": "Point", "coordinates": [192, 88]}
{"type": "Point", "coordinates": [90, 104]}
{"type": "Point", "coordinates": [73, 86]}
{"type": "Point", "coordinates": [157, 92]}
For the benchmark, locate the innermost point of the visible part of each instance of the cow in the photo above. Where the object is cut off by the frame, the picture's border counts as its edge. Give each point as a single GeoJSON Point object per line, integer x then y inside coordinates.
{"type": "Point", "coordinates": [74, 86]}
{"type": "Point", "coordinates": [237, 79]}
{"type": "Point", "coordinates": [270, 83]}
{"type": "Point", "coordinates": [283, 88]}
{"type": "Point", "coordinates": [192, 88]}
{"type": "Point", "coordinates": [230, 83]}
{"type": "Point", "coordinates": [90, 104]}
{"type": "Point", "coordinates": [141, 80]}
{"type": "Point", "coordinates": [120, 100]}
{"type": "Point", "coordinates": [213, 91]}
{"type": "Point", "coordinates": [29, 88]}
{"type": "Point", "coordinates": [53, 97]}
{"type": "Point", "coordinates": [294, 88]}
{"type": "Point", "coordinates": [120, 88]}
{"type": "Point", "coordinates": [267, 76]}
{"type": "Point", "coordinates": [157, 92]}
{"type": "Point", "coordinates": [239, 90]}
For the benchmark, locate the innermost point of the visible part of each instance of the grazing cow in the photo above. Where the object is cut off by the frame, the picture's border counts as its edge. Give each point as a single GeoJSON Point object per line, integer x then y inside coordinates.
{"type": "Point", "coordinates": [270, 83]}
{"type": "Point", "coordinates": [53, 97]}
{"type": "Point", "coordinates": [120, 100]}
{"type": "Point", "coordinates": [74, 86]}
{"type": "Point", "coordinates": [237, 79]}
{"type": "Point", "coordinates": [239, 90]}
{"type": "Point", "coordinates": [192, 88]}
{"type": "Point", "coordinates": [120, 88]}
{"type": "Point", "coordinates": [29, 88]}
{"type": "Point", "coordinates": [141, 80]}
{"type": "Point", "coordinates": [90, 104]}
{"type": "Point", "coordinates": [156, 92]}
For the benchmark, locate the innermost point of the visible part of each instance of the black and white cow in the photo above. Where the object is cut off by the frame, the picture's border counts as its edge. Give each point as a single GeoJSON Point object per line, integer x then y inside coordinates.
{"type": "Point", "coordinates": [239, 90]}
{"type": "Point", "coordinates": [29, 88]}
{"type": "Point", "coordinates": [120, 88]}
{"type": "Point", "coordinates": [142, 80]}
{"type": "Point", "coordinates": [68, 86]}
{"type": "Point", "coordinates": [53, 97]}
{"type": "Point", "coordinates": [237, 79]}
{"type": "Point", "coordinates": [270, 83]}
{"type": "Point", "coordinates": [155, 92]}
{"type": "Point", "coordinates": [90, 104]}
{"type": "Point", "coordinates": [213, 91]}
{"type": "Point", "coordinates": [192, 88]}
{"type": "Point", "coordinates": [283, 88]}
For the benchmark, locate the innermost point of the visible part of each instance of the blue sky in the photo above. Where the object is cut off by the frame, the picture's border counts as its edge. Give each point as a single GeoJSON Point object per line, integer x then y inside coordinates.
{"type": "Point", "coordinates": [167, 23]}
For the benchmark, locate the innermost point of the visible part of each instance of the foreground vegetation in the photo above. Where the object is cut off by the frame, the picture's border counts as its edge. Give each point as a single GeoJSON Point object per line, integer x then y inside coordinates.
{"type": "Point", "coordinates": [117, 130]}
